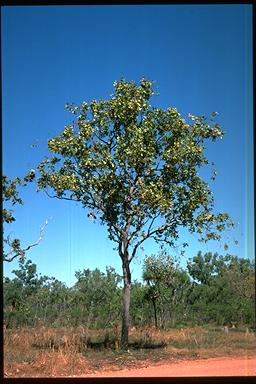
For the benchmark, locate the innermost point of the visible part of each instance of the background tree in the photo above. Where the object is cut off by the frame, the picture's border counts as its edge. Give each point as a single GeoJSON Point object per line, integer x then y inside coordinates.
{"type": "Point", "coordinates": [31, 299]}
{"type": "Point", "coordinates": [223, 289]}
{"type": "Point", "coordinates": [20, 294]}
{"type": "Point", "coordinates": [227, 296]}
{"type": "Point", "coordinates": [202, 267]}
{"type": "Point", "coordinates": [140, 312]}
{"type": "Point", "coordinates": [135, 167]}
{"type": "Point", "coordinates": [167, 287]}
{"type": "Point", "coordinates": [97, 297]}
{"type": "Point", "coordinates": [12, 247]}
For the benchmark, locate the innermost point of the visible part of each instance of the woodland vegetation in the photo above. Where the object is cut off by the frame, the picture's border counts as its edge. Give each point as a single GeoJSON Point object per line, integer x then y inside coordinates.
{"type": "Point", "coordinates": [213, 289]}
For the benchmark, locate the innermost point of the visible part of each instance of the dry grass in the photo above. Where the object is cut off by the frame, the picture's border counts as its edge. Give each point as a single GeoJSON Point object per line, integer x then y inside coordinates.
{"type": "Point", "coordinates": [55, 352]}
{"type": "Point", "coordinates": [43, 351]}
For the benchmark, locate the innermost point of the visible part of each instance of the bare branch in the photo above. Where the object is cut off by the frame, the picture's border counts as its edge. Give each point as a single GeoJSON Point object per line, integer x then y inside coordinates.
{"type": "Point", "coordinates": [152, 222]}
{"type": "Point", "coordinates": [149, 234]}
{"type": "Point", "coordinates": [20, 252]}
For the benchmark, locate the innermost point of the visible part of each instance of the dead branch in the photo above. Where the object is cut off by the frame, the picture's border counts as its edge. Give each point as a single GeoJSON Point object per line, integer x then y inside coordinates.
{"type": "Point", "coordinates": [13, 253]}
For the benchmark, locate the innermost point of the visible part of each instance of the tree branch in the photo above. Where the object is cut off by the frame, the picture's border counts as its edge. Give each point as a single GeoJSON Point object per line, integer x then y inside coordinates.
{"type": "Point", "coordinates": [21, 252]}
{"type": "Point", "coordinates": [60, 197]}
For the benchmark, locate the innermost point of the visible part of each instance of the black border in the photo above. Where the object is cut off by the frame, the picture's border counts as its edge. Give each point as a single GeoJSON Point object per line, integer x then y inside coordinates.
{"type": "Point", "coordinates": [139, 380]}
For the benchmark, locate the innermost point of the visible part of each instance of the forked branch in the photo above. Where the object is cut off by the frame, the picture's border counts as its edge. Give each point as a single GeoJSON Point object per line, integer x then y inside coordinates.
{"type": "Point", "coordinates": [16, 251]}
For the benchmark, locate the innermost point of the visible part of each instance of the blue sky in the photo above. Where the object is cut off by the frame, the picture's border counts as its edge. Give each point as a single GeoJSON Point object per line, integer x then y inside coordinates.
{"type": "Point", "coordinates": [201, 60]}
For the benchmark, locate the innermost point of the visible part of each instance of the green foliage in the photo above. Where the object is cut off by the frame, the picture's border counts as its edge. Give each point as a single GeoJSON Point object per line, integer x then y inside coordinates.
{"type": "Point", "coordinates": [223, 290]}
{"type": "Point", "coordinates": [167, 287]}
{"type": "Point", "coordinates": [97, 295]}
{"type": "Point", "coordinates": [30, 298]}
{"type": "Point", "coordinates": [202, 267]}
{"type": "Point", "coordinates": [135, 167]}
{"type": "Point", "coordinates": [228, 297]}
{"type": "Point", "coordinates": [140, 311]}
{"type": "Point", "coordinates": [10, 194]}
{"type": "Point", "coordinates": [10, 198]}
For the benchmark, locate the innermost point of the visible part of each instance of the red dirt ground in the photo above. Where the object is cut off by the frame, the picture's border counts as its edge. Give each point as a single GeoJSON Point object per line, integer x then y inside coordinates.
{"type": "Point", "coordinates": [226, 366]}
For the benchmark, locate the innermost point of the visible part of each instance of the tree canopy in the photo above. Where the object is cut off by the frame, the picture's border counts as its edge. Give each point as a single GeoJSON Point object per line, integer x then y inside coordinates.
{"type": "Point", "coordinates": [132, 164]}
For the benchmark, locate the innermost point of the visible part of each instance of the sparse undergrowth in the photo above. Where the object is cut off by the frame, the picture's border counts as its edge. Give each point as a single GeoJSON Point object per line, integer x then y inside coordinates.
{"type": "Point", "coordinates": [34, 352]}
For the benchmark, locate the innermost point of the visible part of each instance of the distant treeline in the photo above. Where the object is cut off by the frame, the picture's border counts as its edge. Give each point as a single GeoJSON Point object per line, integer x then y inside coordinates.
{"type": "Point", "coordinates": [211, 289]}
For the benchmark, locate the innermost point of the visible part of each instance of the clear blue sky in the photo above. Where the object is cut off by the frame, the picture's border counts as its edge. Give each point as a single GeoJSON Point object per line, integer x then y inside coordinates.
{"type": "Point", "coordinates": [201, 60]}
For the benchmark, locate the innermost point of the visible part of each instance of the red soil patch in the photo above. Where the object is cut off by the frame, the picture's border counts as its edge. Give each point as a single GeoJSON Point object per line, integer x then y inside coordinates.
{"type": "Point", "coordinates": [226, 366]}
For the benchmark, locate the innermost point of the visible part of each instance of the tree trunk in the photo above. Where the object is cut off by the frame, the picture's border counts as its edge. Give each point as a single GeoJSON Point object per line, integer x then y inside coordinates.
{"type": "Point", "coordinates": [126, 305]}
{"type": "Point", "coordinates": [155, 314]}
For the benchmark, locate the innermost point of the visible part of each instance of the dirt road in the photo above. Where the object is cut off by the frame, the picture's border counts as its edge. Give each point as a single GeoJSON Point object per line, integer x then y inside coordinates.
{"type": "Point", "coordinates": [225, 366]}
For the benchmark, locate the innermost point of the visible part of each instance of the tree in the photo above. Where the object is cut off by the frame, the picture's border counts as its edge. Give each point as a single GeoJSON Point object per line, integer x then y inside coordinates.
{"type": "Point", "coordinates": [98, 294]}
{"type": "Point", "coordinates": [136, 169]}
{"type": "Point", "coordinates": [13, 248]}
{"type": "Point", "coordinates": [31, 299]}
{"type": "Point", "coordinates": [20, 294]}
{"type": "Point", "coordinates": [167, 284]}
{"type": "Point", "coordinates": [202, 267]}
{"type": "Point", "coordinates": [223, 289]}
{"type": "Point", "coordinates": [140, 308]}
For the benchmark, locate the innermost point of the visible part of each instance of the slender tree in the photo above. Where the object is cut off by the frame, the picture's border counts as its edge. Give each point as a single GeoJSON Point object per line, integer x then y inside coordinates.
{"type": "Point", "coordinates": [166, 282]}
{"type": "Point", "coordinates": [136, 169]}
